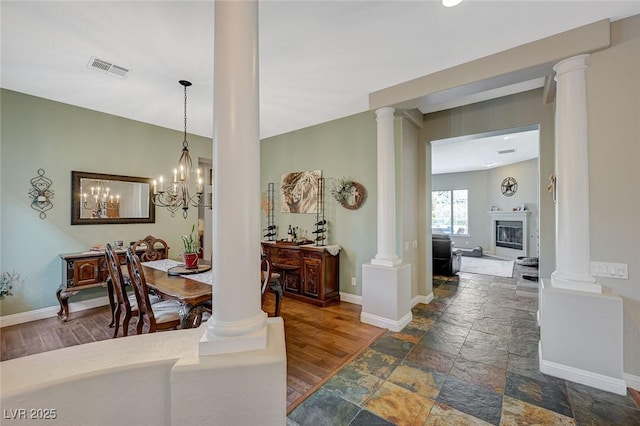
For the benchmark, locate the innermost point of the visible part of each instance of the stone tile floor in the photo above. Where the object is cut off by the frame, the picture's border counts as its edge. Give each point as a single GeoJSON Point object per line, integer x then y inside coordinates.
{"type": "Point", "coordinates": [468, 358]}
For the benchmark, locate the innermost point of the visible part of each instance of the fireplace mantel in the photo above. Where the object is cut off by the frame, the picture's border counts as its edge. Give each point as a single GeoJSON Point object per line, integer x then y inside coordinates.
{"type": "Point", "coordinates": [523, 216]}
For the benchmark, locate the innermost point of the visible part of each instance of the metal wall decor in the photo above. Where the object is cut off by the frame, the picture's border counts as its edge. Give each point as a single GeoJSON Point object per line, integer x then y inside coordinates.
{"type": "Point", "coordinates": [509, 186]}
{"type": "Point", "coordinates": [41, 193]}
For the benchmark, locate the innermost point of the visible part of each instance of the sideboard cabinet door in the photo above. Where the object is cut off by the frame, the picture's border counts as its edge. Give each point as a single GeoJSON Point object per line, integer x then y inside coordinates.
{"type": "Point", "coordinates": [86, 271]}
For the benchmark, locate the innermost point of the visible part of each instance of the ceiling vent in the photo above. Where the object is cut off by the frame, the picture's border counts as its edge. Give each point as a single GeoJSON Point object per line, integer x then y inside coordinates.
{"type": "Point", "coordinates": [506, 151]}
{"type": "Point", "coordinates": [108, 67]}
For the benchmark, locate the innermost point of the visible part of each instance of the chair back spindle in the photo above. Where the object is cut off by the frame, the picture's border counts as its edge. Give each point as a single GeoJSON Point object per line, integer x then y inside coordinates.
{"type": "Point", "coordinates": [123, 306]}
{"type": "Point", "coordinates": [139, 284]}
{"type": "Point", "coordinates": [155, 248]}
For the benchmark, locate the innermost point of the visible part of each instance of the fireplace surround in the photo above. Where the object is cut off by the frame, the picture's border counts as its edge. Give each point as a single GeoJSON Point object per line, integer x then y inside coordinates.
{"type": "Point", "coordinates": [509, 233]}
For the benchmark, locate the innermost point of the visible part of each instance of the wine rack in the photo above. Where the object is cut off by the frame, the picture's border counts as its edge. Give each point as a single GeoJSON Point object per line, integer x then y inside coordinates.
{"type": "Point", "coordinates": [321, 223]}
{"type": "Point", "coordinates": [271, 231]}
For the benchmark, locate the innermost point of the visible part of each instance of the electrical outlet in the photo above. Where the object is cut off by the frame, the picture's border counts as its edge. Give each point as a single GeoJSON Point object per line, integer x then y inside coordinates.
{"type": "Point", "coordinates": [353, 281]}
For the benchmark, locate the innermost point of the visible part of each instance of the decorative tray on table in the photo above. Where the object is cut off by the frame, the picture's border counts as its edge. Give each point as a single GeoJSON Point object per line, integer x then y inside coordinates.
{"type": "Point", "coordinates": [181, 270]}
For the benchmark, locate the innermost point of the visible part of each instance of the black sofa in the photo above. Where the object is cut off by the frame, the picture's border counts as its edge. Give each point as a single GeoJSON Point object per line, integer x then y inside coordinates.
{"type": "Point", "coordinates": [446, 259]}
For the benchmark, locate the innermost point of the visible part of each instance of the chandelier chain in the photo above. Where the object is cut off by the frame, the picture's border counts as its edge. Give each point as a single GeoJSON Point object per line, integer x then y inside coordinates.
{"type": "Point", "coordinates": [185, 144]}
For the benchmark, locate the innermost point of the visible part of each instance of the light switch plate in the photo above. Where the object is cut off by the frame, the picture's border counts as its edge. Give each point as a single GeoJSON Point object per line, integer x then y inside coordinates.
{"type": "Point", "coordinates": [610, 270]}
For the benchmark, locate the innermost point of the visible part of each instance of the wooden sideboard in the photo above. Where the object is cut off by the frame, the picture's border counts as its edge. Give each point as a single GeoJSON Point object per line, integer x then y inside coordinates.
{"type": "Point", "coordinates": [308, 273]}
{"type": "Point", "coordinates": [85, 270]}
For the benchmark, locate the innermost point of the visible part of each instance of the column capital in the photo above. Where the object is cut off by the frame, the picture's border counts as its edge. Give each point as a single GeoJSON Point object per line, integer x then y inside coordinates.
{"type": "Point", "coordinates": [384, 112]}
{"type": "Point", "coordinates": [570, 64]}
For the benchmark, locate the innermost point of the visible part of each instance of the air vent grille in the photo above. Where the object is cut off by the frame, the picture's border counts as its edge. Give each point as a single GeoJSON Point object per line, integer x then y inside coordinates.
{"type": "Point", "coordinates": [107, 67]}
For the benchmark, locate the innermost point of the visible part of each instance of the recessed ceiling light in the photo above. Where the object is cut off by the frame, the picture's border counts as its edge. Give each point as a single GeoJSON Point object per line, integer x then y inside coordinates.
{"type": "Point", "coordinates": [451, 3]}
{"type": "Point", "coordinates": [489, 164]}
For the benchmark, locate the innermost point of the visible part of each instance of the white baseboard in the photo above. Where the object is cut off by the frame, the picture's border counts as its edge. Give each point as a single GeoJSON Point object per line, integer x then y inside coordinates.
{"type": "Point", "coordinates": [588, 378]}
{"type": "Point", "coordinates": [357, 300]}
{"type": "Point", "coordinates": [351, 298]}
{"type": "Point", "coordinates": [632, 381]}
{"type": "Point", "coordinates": [51, 311]}
{"type": "Point", "coordinates": [422, 299]}
{"type": "Point", "coordinates": [386, 322]}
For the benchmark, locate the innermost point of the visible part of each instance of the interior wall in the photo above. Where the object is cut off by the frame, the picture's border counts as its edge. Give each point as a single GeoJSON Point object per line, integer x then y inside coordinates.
{"type": "Point", "coordinates": [58, 138]}
{"type": "Point", "coordinates": [513, 111]}
{"type": "Point", "coordinates": [613, 102]}
{"type": "Point", "coordinates": [340, 148]}
{"type": "Point", "coordinates": [526, 174]}
{"type": "Point", "coordinates": [408, 196]}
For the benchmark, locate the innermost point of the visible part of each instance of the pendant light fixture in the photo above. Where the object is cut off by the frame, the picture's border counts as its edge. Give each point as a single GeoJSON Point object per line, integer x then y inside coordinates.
{"type": "Point", "coordinates": [176, 195]}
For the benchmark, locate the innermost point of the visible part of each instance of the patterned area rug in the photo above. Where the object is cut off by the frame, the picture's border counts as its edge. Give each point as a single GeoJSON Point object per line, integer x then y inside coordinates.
{"type": "Point", "coordinates": [487, 266]}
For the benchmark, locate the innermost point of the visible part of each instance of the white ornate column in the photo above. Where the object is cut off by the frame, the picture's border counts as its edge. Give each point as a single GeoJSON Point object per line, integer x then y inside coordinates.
{"type": "Point", "coordinates": [581, 327]}
{"type": "Point", "coordinates": [573, 251]}
{"type": "Point", "coordinates": [237, 323]}
{"type": "Point", "coordinates": [386, 281]}
{"type": "Point", "coordinates": [242, 353]}
{"type": "Point", "coordinates": [386, 254]}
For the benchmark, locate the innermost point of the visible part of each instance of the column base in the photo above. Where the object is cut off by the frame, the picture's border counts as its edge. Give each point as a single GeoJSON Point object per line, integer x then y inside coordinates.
{"type": "Point", "coordinates": [581, 337]}
{"type": "Point", "coordinates": [250, 336]}
{"type": "Point", "coordinates": [254, 390]}
{"type": "Point", "coordinates": [587, 283]}
{"type": "Point", "coordinates": [386, 296]}
{"type": "Point", "coordinates": [388, 262]}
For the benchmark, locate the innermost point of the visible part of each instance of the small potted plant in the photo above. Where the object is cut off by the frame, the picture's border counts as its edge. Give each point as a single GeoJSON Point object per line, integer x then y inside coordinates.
{"type": "Point", "coordinates": [191, 249]}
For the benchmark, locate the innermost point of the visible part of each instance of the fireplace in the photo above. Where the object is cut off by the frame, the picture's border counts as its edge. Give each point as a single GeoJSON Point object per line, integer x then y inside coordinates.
{"type": "Point", "coordinates": [509, 234]}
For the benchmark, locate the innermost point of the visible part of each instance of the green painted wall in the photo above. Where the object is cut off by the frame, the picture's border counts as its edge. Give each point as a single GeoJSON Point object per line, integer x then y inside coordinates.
{"type": "Point", "coordinates": [42, 134]}
{"type": "Point", "coordinates": [340, 148]}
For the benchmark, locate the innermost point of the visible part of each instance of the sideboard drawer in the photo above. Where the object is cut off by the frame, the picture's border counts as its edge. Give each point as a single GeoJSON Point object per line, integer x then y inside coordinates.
{"type": "Point", "coordinates": [286, 258]}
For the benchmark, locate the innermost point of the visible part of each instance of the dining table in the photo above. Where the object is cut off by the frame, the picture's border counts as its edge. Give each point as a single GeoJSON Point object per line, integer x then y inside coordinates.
{"type": "Point", "coordinates": [192, 289]}
{"type": "Point", "coordinates": [168, 279]}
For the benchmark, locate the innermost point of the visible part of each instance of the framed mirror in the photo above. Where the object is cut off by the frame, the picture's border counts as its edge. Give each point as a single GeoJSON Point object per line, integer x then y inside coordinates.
{"type": "Point", "coordinates": [109, 199]}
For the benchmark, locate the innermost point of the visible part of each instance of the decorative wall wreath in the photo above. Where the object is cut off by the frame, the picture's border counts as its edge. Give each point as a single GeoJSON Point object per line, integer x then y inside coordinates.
{"type": "Point", "coordinates": [351, 195]}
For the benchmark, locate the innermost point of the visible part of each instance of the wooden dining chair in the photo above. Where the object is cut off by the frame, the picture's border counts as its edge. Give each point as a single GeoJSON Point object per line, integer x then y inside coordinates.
{"type": "Point", "coordinates": [270, 280]}
{"type": "Point", "coordinates": [158, 316]}
{"type": "Point", "coordinates": [124, 303]}
{"type": "Point", "coordinates": [155, 248]}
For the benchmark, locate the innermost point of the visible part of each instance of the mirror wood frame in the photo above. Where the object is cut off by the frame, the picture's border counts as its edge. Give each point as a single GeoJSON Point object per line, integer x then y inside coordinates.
{"type": "Point", "coordinates": [76, 218]}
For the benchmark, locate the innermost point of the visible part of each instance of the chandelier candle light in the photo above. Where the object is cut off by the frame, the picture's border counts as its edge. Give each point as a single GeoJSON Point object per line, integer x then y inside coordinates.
{"type": "Point", "coordinates": [102, 202]}
{"type": "Point", "coordinates": [177, 195]}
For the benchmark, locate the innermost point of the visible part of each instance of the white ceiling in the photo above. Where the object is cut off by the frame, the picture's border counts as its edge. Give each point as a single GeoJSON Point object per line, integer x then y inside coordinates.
{"type": "Point", "coordinates": [484, 152]}
{"type": "Point", "coordinates": [319, 60]}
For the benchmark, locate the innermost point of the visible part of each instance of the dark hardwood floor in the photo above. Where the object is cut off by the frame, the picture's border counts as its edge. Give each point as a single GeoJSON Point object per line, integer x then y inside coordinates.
{"type": "Point", "coordinates": [319, 340]}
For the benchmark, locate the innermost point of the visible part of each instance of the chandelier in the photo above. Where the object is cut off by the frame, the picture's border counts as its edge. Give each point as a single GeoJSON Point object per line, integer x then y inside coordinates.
{"type": "Point", "coordinates": [176, 194]}
{"type": "Point", "coordinates": [102, 203]}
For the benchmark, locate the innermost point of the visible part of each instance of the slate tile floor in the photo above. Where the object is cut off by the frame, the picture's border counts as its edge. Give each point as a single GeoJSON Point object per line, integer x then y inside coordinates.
{"type": "Point", "coordinates": [468, 358]}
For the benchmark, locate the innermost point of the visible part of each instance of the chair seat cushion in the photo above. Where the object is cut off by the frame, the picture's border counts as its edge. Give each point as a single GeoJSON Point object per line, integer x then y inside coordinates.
{"type": "Point", "coordinates": [166, 311]}
{"type": "Point", "coordinates": [133, 301]}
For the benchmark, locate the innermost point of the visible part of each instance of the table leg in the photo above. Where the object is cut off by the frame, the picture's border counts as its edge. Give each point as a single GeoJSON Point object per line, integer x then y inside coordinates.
{"type": "Point", "coordinates": [63, 298]}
